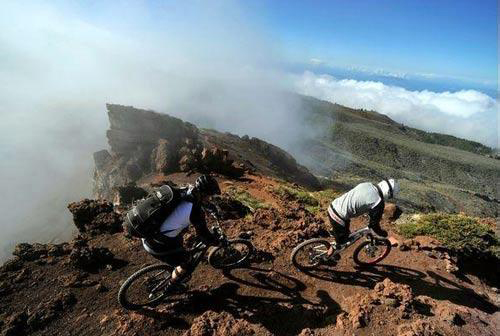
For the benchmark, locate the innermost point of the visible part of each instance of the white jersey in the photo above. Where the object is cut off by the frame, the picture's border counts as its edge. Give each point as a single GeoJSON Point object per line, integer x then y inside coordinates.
{"type": "Point", "coordinates": [178, 220]}
{"type": "Point", "coordinates": [357, 201]}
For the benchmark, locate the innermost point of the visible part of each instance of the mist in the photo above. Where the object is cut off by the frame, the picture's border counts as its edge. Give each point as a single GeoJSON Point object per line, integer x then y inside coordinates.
{"type": "Point", "coordinates": [62, 62]}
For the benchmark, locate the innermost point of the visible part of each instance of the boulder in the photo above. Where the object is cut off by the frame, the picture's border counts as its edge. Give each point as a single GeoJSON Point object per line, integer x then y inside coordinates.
{"type": "Point", "coordinates": [223, 324]}
{"type": "Point", "coordinates": [95, 216]}
{"type": "Point", "coordinates": [11, 265]}
{"type": "Point", "coordinates": [87, 257]}
{"type": "Point", "coordinates": [30, 252]}
{"type": "Point", "coordinates": [126, 195]}
{"type": "Point", "coordinates": [392, 211]}
{"type": "Point", "coordinates": [230, 208]}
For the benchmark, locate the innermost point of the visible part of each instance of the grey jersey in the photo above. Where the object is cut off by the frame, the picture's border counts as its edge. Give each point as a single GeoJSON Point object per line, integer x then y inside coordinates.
{"type": "Point", "coordinates": [357, 201]}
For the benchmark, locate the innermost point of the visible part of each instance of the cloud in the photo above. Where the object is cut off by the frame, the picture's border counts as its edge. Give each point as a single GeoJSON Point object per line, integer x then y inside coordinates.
{"type": "Point", "coordinates": [316, 61]}
{"type": "Point", "coordinates": [62, 61]}
{"type": "Point", "coordinates": [467, 113]}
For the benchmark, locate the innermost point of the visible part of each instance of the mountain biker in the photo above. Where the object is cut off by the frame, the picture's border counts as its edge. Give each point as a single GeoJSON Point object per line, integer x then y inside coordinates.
{"type": "Point", "coordinates": [364, 198]}
{"type": "Point", "coordinates": [167, 245]}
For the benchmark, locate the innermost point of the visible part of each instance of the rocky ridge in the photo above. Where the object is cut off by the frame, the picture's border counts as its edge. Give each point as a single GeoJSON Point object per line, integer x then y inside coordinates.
{"type": "Point", "coordinates": [145, 143]}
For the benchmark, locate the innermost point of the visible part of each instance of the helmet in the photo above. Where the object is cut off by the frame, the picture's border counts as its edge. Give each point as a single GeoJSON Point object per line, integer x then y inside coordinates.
{"type": "Point", "coordinates": [390, 188]}
{"type": "Point", "coordinates": [207, 185]}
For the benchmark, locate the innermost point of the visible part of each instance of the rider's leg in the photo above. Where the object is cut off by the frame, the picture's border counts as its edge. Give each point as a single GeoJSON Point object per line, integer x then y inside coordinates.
{"type": "Point", "coordinates": [183, 267]}
{"type": "Point", "coordinates": [340, 232]}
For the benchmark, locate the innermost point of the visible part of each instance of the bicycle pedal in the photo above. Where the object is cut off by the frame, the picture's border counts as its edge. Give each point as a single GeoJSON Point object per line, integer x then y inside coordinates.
{"type": "Point", "coordinates": [186, 279]}
{"type": "Point", "coordinates": [177, 287]}
{"type": "Point", "coordinates": [330, 262]}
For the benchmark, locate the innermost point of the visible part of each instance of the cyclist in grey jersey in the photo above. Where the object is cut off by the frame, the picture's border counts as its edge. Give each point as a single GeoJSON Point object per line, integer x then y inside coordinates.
{"type": "Point", "coordinates": [364, 198]}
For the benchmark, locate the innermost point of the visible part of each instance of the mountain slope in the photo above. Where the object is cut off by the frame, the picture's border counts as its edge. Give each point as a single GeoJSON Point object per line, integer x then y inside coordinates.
{"type": "Point", "coordinates": [422, 288]}
{"type": "Point", "coordinates": [436, 172]}
{"type": "Point", "coordinates": [71, 288]}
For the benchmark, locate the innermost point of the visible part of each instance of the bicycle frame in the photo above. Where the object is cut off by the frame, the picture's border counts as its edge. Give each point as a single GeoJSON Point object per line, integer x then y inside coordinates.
{"type": "Point", "coordinates": [353, 237]}
{"type": "Point", "coordinates": [199, 249]}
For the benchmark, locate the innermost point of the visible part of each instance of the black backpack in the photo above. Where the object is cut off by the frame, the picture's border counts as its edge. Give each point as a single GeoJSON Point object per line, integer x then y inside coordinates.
{"type": "Point", "coordinates": [145, 217]}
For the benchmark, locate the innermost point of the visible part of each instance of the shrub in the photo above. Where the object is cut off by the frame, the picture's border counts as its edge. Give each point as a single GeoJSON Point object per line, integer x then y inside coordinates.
{"type": "Point", "coordinates": [462, 234]}
{"type": "Point", "coordinates": [312, 201]}
{"type": "Point", "coordinates": [296, 194]}
{"type": "Point", "coordinates": [246, 199]}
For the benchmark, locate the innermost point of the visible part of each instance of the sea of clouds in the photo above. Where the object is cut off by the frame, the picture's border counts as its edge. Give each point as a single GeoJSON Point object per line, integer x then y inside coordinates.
{"type": "Point", "coordinates": [467, 114]}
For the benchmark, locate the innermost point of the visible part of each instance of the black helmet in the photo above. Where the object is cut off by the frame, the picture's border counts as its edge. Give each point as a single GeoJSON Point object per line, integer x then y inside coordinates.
{"type": "Point", "coordinates": [207, 185]}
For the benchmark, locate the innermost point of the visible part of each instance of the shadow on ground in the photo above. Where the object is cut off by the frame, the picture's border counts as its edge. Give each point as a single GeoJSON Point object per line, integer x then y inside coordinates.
{"type": "Point", "coordinates": [284, 302]}
{"type": "Point", "coordinates": [429, 284]}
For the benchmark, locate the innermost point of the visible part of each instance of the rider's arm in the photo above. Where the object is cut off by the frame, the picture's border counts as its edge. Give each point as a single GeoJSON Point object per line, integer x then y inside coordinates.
{"type": "Point", "coordinates": [376, 214]}
{"type": "Point", "coordinates": [197, 218]}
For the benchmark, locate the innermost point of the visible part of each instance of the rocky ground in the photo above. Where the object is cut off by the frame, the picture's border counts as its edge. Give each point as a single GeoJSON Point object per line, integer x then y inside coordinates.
{"type": "Point", "coordinates": [71, 288]}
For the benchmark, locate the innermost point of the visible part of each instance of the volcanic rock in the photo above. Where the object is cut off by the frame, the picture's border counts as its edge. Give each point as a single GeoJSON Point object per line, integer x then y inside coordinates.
{"type": "Point", "coordinates": [223, 324]}
{"type": "Point", "coordinates": [90, 258]}
{"type": "Point", "coordinates": [145, 142]}
{"type": "Point", "coordinates": [230, 208]}
{"type": "Point", "coordinates": [30, 252]}
{"type": "Point", "coordinates": [95, 216]}
{"type": "Point", "coordinates": [128, 194]}
{"type": "Point", "coordinates": [417, 328]}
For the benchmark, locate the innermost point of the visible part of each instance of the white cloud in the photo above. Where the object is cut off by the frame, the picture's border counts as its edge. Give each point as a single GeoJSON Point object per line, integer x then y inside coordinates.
{"type": "Point", "coordinates": [59, 67]}
{"type": "Point", "coordinates": [468, 113]}
{"type": "Point", "coordinates": [316, 61]}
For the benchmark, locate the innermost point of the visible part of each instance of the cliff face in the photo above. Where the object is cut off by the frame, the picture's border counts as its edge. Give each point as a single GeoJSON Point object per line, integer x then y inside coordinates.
{"type": "Point", "coordinates": [145, 144]}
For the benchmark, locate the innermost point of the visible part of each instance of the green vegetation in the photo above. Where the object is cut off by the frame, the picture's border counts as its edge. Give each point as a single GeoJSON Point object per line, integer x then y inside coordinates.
{"type": "Point", "coordinates": [247, 199]}
{"type": "Point", "coordinates": [456, 173]}
{"type": "Point", "coordinates": [313, 201]}
{"type": "Point", "coordinates": [462, 234]}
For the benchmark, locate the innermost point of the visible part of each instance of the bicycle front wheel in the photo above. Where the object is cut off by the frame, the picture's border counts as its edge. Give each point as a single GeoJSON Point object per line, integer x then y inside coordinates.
{"type": "Point", "coordinates": [235, 253]}
{"type": "Point", "coordinates": [372, 251]}
{"type": "Point", "coordinates": [145, 287]}
{"type": "Point", "coordinates": [310, 253]}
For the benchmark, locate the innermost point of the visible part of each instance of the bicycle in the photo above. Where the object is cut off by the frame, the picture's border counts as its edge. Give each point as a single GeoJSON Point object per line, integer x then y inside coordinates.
{"type": "Point", "coordinates": [153, 282]}
{"type": "Point", "coordinates": [313, 252]}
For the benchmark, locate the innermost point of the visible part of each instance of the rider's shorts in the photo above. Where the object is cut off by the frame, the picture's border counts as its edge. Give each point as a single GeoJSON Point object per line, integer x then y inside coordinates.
{"type": "Point", "coordinates": [339, 226]}
{"type": "Point", "coordinates": [170, 251]}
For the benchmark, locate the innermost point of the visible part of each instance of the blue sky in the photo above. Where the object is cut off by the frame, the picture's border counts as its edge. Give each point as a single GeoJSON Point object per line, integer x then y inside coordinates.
{"type": "Point", "coordinates": [451, 45]}
{"type": "Point", "coordinates": [453, 39]}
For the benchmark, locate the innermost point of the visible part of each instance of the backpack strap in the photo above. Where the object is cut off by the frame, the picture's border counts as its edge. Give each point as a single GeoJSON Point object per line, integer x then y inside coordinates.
{"type": "Point", "coordinates": [380, 193]}
{"type": "Point", "coordinates": [391, 192]}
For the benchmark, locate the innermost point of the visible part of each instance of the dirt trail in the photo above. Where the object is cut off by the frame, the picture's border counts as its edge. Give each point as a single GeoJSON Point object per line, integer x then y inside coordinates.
{"type": "Point", "coordinates": [268, 297]}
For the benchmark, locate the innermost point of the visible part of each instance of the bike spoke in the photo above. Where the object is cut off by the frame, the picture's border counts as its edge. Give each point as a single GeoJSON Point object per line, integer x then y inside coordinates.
{"type": "Point", "coordinates": [371, 252]}
{"type": "Point", "coordinates": [148, 288]}
{"type": "Point", "coordinates": [311, 255]}
{"type": "Point", "coordinates": [230, 255]}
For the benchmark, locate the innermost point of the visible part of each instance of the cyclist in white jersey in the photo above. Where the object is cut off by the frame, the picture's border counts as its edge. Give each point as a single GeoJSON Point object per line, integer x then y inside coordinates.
{"type": "Point", "coordinates": [167, 244]}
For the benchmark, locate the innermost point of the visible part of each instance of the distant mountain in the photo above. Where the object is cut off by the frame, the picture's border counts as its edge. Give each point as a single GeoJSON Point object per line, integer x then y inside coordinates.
{"type": "Point", "coordinates": [438, 171]}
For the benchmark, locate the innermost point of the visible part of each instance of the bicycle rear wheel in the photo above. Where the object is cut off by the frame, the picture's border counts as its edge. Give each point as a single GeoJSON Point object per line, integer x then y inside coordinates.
{"type": "Point", "coordinates": [372, 251]}
{"type": "Point", "coordinates": [145, 287]}
{"type": "Point", "coordinates": [310, 253]}
{"type": "Point", "coordinates": [235, 253]}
